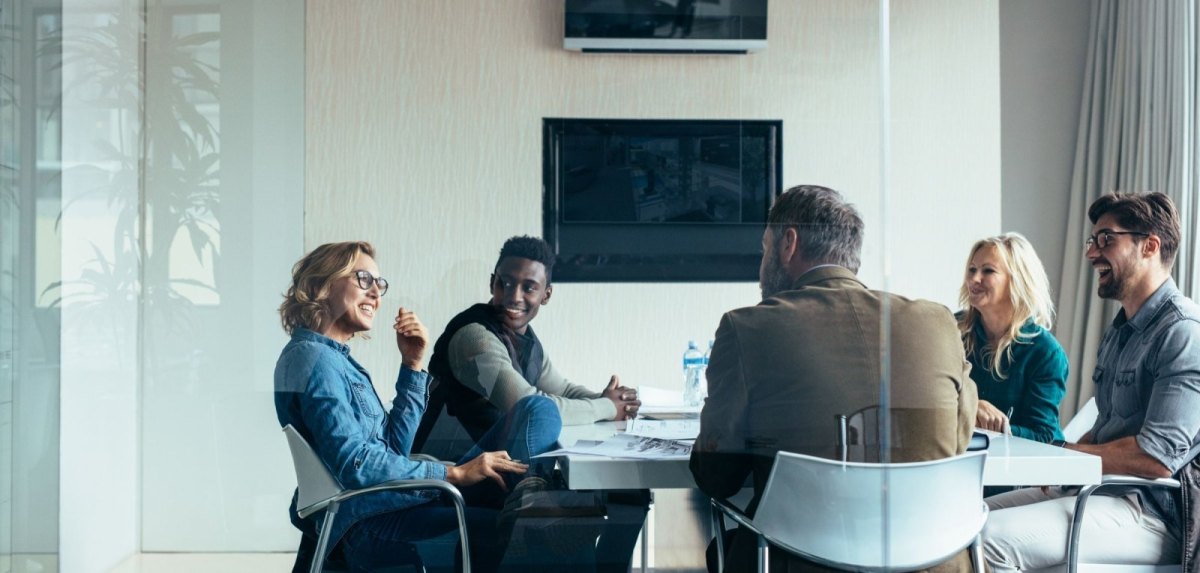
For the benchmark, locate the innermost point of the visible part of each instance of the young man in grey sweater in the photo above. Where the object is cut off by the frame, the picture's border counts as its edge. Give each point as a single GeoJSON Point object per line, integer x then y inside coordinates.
{"type": "Point", "coordinates": [488, 357]}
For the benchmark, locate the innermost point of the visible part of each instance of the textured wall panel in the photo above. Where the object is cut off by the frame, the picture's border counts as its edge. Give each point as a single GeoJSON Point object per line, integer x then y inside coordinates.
{"type": "Point", "coordinates": [423, 136]}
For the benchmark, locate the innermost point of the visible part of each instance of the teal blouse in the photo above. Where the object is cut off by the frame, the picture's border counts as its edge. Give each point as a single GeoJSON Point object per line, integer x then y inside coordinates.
{"type": "Point", "coordinates": [1036, 382]}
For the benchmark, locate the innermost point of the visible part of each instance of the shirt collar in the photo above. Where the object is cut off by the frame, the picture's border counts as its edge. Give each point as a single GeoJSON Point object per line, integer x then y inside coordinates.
{"type": "Point", "coordinates": [305, 334]}
{"type": "Point", "coordinates": [821, 273]}
{"type": "Point", "coordinates": [1149, 309]}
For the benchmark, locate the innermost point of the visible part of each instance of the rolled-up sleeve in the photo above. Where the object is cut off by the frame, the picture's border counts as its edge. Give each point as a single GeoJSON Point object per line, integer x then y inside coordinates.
{"type": "Point", "coordinates": [407, 408]}
{"type": "Point", "coordinates": [1172, 422]}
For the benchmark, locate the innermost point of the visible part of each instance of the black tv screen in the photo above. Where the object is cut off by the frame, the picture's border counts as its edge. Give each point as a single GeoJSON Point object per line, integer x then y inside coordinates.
{"type": "Point", "coordinates": [659, 200]}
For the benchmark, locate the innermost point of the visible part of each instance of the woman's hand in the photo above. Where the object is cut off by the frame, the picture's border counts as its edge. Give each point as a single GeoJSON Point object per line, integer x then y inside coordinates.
{"type": "Point", "coordinates": [488, 465]}
{"type": "Point", "coordinates": [625, 399]}
{"type": "Point", "coordinates": [411, 338]}
{"type": "Point", "coordinates": [988, 417]}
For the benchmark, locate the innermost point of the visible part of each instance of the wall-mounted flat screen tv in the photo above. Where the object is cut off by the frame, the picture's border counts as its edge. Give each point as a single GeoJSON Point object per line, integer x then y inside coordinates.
{"type": "Point", "coordinates": [659, 200]}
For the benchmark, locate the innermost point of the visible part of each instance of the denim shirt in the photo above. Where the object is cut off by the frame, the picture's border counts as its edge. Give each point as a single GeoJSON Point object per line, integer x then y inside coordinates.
{"type": "Point", "coordinates": [327, 395]}
{"type": "Point", "coordinates": [1148, 385]}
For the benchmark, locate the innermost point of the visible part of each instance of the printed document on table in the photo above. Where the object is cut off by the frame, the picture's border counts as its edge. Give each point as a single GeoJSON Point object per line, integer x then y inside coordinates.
{"type": "Point", "coordinates": [627, 446]}
{"type": "Point", "coordinates": [664, 429]}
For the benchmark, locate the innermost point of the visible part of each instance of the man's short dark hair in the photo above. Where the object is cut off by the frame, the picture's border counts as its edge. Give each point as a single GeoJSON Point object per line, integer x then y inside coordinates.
{"type": "Point", "coordinates": [1152, 213]}
{"type": "Point", "coordinates": [830, 229]}
{"type": "Point", "coordinates": [526, 247]}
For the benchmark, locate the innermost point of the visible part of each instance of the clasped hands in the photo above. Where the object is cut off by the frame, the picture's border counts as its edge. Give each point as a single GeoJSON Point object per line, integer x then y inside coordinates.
{"type": "Point", "coordinates": [624, 398]}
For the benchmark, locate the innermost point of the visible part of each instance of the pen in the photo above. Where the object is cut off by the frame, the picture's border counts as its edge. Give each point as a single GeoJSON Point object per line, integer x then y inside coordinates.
{"type": "Point", "coordinates": [1008, 421]}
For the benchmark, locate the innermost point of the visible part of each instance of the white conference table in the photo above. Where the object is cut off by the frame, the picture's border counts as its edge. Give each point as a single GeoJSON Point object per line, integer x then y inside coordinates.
{"type": "Point", "coordinates": [1011, 461]}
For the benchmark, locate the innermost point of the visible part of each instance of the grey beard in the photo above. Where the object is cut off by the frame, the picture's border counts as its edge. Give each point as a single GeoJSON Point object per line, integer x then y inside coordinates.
{"type": "Point", "coordinates": [774, 280]}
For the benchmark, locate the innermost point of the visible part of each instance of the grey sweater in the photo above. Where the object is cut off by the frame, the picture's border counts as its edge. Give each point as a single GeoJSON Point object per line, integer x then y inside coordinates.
{"type": "Point", "coordinates": [480, 361]}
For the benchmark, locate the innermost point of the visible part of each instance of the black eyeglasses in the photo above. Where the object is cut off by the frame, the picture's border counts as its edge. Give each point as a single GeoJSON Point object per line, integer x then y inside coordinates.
{"type": "Point", "coordinates": [1103, 238]}
{"type": "Point", "coordinates": [365, 280]}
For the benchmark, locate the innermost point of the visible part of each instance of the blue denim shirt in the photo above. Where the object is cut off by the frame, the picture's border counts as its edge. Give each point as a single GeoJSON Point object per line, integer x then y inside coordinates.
{"type": "Point", "coordinates": [1148, 385]}
{"type": "Point", "coordinates": [327, 395]}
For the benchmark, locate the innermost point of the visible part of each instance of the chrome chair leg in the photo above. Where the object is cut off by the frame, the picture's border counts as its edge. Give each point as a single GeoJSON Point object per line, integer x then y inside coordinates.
{"type": "Point", "coordinates": [764, 555]}
{"type": "Point", "coordinates": [318, 561]}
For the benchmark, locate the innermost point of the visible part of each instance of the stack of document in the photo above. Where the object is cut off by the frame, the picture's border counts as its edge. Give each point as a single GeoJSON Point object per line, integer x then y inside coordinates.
{"type": "Point", "coordinates": [629, 446]}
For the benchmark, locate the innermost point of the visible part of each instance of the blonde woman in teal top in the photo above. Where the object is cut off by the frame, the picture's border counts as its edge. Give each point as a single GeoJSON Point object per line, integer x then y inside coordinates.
{"type": "Point", "coordinates": [1018, 366]}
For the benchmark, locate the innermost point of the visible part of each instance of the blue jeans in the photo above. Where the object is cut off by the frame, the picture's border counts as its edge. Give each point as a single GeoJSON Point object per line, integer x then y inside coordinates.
{"type": "Point", "coordinates": [530, 428]}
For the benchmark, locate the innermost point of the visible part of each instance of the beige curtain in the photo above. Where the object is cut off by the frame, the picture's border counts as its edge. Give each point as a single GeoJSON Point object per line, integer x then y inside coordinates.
{"type": "Point", "coordinates": [1137, 132]}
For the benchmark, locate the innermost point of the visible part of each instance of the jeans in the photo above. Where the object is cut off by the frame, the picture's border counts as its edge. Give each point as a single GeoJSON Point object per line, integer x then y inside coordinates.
{"type": "Point", "coordinates": [530, 428]}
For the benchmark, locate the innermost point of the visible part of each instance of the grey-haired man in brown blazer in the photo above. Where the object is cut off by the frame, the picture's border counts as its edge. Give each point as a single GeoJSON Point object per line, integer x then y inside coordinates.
{"type": "Point", "coordinates": [782, 370]}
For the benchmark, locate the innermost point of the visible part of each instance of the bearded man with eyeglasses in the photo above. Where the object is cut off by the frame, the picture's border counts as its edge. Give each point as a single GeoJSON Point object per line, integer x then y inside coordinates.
{"type": "Point", "coordinates": [1147, 385]}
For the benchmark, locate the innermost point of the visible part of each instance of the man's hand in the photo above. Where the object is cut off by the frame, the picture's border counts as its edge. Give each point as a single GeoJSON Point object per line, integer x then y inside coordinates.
{"type": "Point", "coordinates": [411, 338]}
{"type": "Point", "coordinates": [988, 417]}
{"type": "Point", "coordinates": [488, 465]}
{"type": "Point", "coordinates": [625, 399]}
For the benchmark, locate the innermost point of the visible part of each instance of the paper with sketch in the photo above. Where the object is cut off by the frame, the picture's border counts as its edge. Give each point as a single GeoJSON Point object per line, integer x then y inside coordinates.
{"type": "Point", "coordinates": [627, 446]}
{"type": "Point", "coordinates": [664, 429]}
{"type": "Point", "coordinates": [658, 401]}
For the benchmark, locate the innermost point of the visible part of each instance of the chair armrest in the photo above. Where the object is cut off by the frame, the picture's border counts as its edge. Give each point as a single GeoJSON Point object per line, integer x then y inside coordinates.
{"type": "Point", "coordinates": [404, 485]}
{"type": "Point", "coordinates": [416, 484]}
{"type": "Point", "coordinates": [1085, 494]}
{"type": "Point", "coordinates": [735, 514]}
{"type": "Point", "coordinates": [1118, 479]}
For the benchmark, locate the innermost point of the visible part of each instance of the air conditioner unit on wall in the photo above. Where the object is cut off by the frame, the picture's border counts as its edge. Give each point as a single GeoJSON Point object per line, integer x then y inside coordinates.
{"type": "Point", "coordinates": [665, 26]}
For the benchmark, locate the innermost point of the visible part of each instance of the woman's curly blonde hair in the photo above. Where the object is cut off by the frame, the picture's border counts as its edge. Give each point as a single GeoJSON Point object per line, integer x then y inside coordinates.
{"type": "Point", "coordinates": [305, 302]}
{"type": "Point", "coordinates": [1028, 291]}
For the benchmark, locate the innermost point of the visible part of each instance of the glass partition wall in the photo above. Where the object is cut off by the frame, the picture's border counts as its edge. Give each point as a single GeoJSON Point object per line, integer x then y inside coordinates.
{"type": "Point", "coordinates": [30, 198]}
{"type": "Point", "coordinates": [204, 146]}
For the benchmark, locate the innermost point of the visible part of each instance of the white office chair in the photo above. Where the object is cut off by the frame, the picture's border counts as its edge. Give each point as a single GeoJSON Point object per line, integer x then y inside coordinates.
{"type": "Point", "coordinates": [867, 517]}
{"type": "Point", "coordinates": [318, 490]}
{"type": "Point", "coordinates": [1080, 424]}
{"type": "Point", "coordinates": [1081, 500]}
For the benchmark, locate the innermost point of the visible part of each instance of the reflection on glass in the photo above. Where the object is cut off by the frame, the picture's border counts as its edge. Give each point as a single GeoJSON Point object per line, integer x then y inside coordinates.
{"type": "Point", "coordinates": [30, 163]}
{"type": "Point", "coordinates": [707, 19]}
{"type": "Point", "coordinates": [9, 224]}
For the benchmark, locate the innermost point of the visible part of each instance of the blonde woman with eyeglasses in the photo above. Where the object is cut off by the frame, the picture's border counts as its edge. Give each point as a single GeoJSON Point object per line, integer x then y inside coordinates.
{"type": "Point", "coordinates": [1017, 365]}
{"type": "Point", "coordinates": [322, 391]}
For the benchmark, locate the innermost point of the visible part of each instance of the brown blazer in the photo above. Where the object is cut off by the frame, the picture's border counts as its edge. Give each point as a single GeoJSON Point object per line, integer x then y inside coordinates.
{"type": "Point", "coordinates": [780, 371]}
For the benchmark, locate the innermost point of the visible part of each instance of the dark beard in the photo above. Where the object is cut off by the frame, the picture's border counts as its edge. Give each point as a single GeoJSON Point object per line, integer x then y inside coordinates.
{"type": "Point", "coordinates": [774, 279]}
{"type": "Point", "coordinates": [1112, 290]}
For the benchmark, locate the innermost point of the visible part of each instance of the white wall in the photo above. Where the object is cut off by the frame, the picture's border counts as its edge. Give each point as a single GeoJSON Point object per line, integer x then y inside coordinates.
{"type": "Point", "coordinates": [424, 138]}
{"type": "Point", "coordinates": [1043, 57]}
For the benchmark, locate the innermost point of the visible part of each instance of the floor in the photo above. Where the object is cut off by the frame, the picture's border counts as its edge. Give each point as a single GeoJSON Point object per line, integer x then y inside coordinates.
{"type": "Point", "coordinates": [679, 532]}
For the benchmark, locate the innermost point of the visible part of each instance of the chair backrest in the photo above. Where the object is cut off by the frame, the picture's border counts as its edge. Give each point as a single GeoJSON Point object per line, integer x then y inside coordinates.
{"type": "Point", "coordinates": [316, 485]}
{"type": "Point", "coordinates": [1083, 421]}
{"type": "Point", "coordinates": [900, 516]}
{"type": "Point", "coordinates": [858, 435]}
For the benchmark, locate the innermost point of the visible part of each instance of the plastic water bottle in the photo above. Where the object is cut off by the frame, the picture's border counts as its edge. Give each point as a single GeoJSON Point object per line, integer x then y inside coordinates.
{"type": "Point", "coordinates": [704, 374]}
{"type": "Point", "coordinates": [693, 375]}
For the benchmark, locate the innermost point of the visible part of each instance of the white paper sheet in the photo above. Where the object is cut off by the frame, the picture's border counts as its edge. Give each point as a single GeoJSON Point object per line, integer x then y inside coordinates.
{"type": "Point", "coordinates": [664, 429]}
{"type": "Point", "coordinates": [660, 401]}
